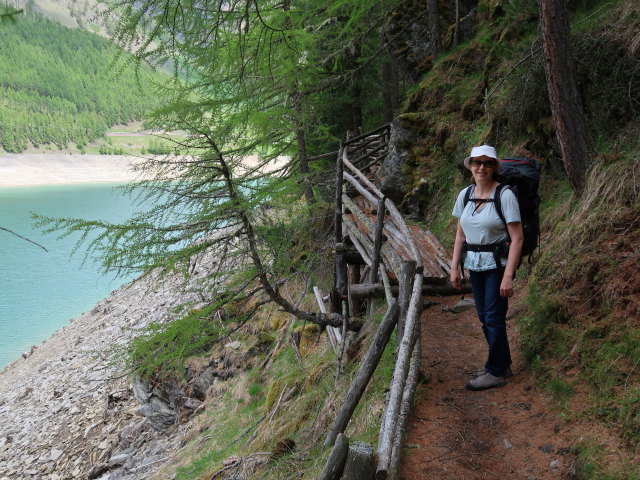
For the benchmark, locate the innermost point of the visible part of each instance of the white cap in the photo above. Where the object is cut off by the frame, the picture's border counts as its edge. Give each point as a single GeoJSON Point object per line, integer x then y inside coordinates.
{"type": "Point", "coordinates": [482, 151]}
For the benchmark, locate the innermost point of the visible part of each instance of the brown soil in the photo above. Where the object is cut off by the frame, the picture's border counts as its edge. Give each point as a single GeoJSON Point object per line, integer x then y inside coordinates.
{"type": "Point", "coordinates": [512, 432]}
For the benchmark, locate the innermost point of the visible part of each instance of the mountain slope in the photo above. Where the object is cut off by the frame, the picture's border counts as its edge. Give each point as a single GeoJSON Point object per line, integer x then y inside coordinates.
{"type": "Point", "coordinates": [57, 87]}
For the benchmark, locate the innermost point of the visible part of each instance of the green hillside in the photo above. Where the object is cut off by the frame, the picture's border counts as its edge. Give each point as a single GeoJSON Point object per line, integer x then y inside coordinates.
{"type": "Point", "coordinates": [57, 87]}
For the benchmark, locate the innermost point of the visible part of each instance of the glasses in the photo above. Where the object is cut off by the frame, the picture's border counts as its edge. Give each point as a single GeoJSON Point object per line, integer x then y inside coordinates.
{"type": "Point", "coordinates": [486, 163]}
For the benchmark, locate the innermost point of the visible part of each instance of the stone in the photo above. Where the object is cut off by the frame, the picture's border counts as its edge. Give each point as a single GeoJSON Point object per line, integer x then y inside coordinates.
{"type": "Point", "coordinates": [233, 345]}
{"type": "Point", "coordinates": [55, 454]}
{"type": "Point", "coordinates": [118, 459]}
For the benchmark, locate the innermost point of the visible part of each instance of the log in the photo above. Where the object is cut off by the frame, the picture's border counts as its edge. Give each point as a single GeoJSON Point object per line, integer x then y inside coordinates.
{"type": "Point", "coordinates": [361, 250]}
{"type": "Point", "coordinates": [359, 464]}
{"type": "Point", "coordinates": [364, 180]}
{"type": "Point", "coordinates": [400, 223]}
{"type": "Point", "coordinates": [377, 243]}
{"type": "Point", "coordinates": [382, 129]}
{"type": "Point", "coordinates": [390, 419]}
{"type": "Point", "coordinates": [340, 273]}
{"type": "Point", "coordinates": [338, 456]}
{"type": "Point", "coordinates": [407, 273]}
{"type": "Point", "coordinates": [331, 331]}
{"type": "Point", "coordinates": [368, 366]}
{"type": "Point", "coordinates": [338, 211]}
{"type": "Point", "coordinates": [377, 290]}
{"type": "Point", "coordinates": [387, 284]}
{"type": "Point", "coordinates": [355, 303]}
{"type": "Point", "coordinates": [366, 240]}
{"type": "Point", "coordinates": [361, 190]}
{"type": "Point", "coordinates": [405, 408]}
{"type": "Point", "coordinates": [390, 257]}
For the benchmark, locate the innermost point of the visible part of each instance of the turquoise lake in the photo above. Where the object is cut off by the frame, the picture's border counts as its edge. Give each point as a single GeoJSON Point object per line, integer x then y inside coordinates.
{"type": "Point", "coordinates": [41, 291]}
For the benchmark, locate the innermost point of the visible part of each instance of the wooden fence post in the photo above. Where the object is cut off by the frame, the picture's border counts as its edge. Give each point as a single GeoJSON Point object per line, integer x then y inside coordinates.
{"type": "Point", "coordinates": [368, 366]}
{"type": "Point", "coordinates": [377, 246]}
{"type": "Point", "coordinates": [407, 272]}
{"type": "Point", "coordinates": [339, 274]}
{"type": "Point", "coordinates": [390, 420]}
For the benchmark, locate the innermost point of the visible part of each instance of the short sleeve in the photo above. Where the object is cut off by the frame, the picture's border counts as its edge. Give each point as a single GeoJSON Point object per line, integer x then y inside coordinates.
{"type": "Point", "coordinates": [459, 205]}
{"type": "Point", "coordinates": [510, 207]}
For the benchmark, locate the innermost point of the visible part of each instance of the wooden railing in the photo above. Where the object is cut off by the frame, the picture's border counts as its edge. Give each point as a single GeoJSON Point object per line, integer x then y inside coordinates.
{"type": "Point", "coordinates": [362, 241]}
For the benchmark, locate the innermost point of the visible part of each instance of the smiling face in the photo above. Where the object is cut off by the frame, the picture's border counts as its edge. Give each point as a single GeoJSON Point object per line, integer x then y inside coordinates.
{"type": "Point", "coordinates": [483, 167]}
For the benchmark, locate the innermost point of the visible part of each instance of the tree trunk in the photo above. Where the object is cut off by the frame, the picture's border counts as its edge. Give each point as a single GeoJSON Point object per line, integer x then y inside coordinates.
{"type": "Point", "coordinates": [456, 32]}
{"type": "Point", "coordinates": [566, 106]}
{"type": "Point", "coordinates": [434, 28]}
{"type": "Point", "coordinates": [302, 153]}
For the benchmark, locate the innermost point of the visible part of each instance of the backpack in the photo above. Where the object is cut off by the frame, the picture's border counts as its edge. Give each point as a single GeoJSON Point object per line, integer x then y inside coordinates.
{"type": "Point", "coordinates": [522, 176]}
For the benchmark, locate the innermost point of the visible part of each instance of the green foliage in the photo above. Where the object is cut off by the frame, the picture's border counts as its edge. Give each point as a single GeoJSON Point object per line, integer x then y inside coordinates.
{"type": "Point", "coordinates": [560, 390]}
{"type": "Point", "coordinates": [57, 87]}
{"type": "Point", "coordinates": [590, 464]}
{"type": "Point", "coordinates": [539, 329]}
{"type": "Point", "coordinates": [164, 347]}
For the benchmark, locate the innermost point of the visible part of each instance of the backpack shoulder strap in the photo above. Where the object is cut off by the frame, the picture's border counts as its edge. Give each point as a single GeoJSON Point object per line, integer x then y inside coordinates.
{"type": "Point", "coordinates": [467, 195]}
{"type": "Point", "coordinates": [498, 202]}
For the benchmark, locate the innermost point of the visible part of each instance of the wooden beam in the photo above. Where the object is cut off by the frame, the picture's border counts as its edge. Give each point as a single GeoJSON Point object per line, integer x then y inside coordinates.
{"type": "Point", "coordinates": [368, 366]}
{"type": "Point", "coordinates": [390, 419]}
{"type": "Point", "coordinates": [377, 290]}
{"type": "Point", "coordinates": [405, 408]}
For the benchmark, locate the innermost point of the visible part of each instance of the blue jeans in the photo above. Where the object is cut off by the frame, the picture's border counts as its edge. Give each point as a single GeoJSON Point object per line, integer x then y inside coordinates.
{"type": "Point", "coordinates": [492, 312]}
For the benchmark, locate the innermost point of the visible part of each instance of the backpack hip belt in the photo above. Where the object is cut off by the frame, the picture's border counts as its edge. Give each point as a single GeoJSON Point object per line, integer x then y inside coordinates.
{"type": "Point", "coordinates": [499, 250]}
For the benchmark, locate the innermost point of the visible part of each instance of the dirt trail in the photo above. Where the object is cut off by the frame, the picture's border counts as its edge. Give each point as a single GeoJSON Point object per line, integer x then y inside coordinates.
{"type": "Point", "coordinates": [512, 432]}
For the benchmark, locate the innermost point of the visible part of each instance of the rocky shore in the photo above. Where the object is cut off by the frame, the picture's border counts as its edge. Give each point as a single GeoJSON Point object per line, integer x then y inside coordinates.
{"type": "Point", "coordinates": [69, 411]}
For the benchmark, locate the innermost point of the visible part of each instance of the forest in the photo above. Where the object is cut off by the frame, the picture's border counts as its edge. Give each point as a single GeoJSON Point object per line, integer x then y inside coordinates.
{"type": "Point", "coordinates": [58, 87]}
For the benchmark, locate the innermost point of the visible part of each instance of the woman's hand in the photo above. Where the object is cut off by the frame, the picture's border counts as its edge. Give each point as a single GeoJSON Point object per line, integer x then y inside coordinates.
{"type": "Point", "coordinates": [455, 279]}
{"type": "Point", "coordinates": [506, 286]}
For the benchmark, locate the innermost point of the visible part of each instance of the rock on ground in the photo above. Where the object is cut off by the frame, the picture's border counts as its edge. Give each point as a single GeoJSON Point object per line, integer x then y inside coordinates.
{"type": "Point", "coordinates": [67, 411]}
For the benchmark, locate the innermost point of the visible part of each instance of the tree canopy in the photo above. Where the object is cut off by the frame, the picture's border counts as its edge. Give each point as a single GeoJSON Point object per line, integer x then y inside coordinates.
{"type": "Point", "coordinates": [275, 80]}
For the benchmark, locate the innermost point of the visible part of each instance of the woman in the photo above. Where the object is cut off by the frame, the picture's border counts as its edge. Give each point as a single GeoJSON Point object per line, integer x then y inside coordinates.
{"type": "Point", "coordinates": [491, 253]}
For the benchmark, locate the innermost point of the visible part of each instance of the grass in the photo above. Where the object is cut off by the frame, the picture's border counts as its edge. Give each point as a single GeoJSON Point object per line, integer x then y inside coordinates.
{"type": "Point", "coordinates": [246, 407]}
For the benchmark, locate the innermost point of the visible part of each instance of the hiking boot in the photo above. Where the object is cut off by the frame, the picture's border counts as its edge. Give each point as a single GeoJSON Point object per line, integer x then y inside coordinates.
{"type": "Point", "coordinates": [507, 374]}
{"type": "Point", "coordinates": [484, 381]}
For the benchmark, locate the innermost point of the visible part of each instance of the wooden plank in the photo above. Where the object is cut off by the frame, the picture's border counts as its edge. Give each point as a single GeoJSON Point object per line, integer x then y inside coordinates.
{"type": "Point", "coordinates": [368, 366]}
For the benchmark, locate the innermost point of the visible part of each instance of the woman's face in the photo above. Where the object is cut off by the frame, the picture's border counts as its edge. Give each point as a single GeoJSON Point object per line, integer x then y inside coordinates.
{"type": "Point", "coordinates": [483, 167]}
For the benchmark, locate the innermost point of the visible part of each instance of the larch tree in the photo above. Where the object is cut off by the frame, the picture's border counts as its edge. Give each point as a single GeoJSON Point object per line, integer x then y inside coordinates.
{"type": "Point", "coordinates": [251, 79]}
{"type": "Point", "coordinates": [566, 105]}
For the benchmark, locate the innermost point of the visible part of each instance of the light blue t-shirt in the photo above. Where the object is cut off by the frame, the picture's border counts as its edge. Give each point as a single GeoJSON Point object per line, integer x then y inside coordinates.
{"type": "Point", "coordinates": [483, 226]}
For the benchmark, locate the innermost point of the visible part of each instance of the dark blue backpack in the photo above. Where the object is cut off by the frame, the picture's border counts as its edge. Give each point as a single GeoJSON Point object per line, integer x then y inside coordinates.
{"type": "Point", "coordinates": [522, 176]}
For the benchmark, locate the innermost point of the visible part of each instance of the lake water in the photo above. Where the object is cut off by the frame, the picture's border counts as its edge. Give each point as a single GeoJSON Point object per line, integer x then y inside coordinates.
{"type": "Point", "coordinates": [41, 291]}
